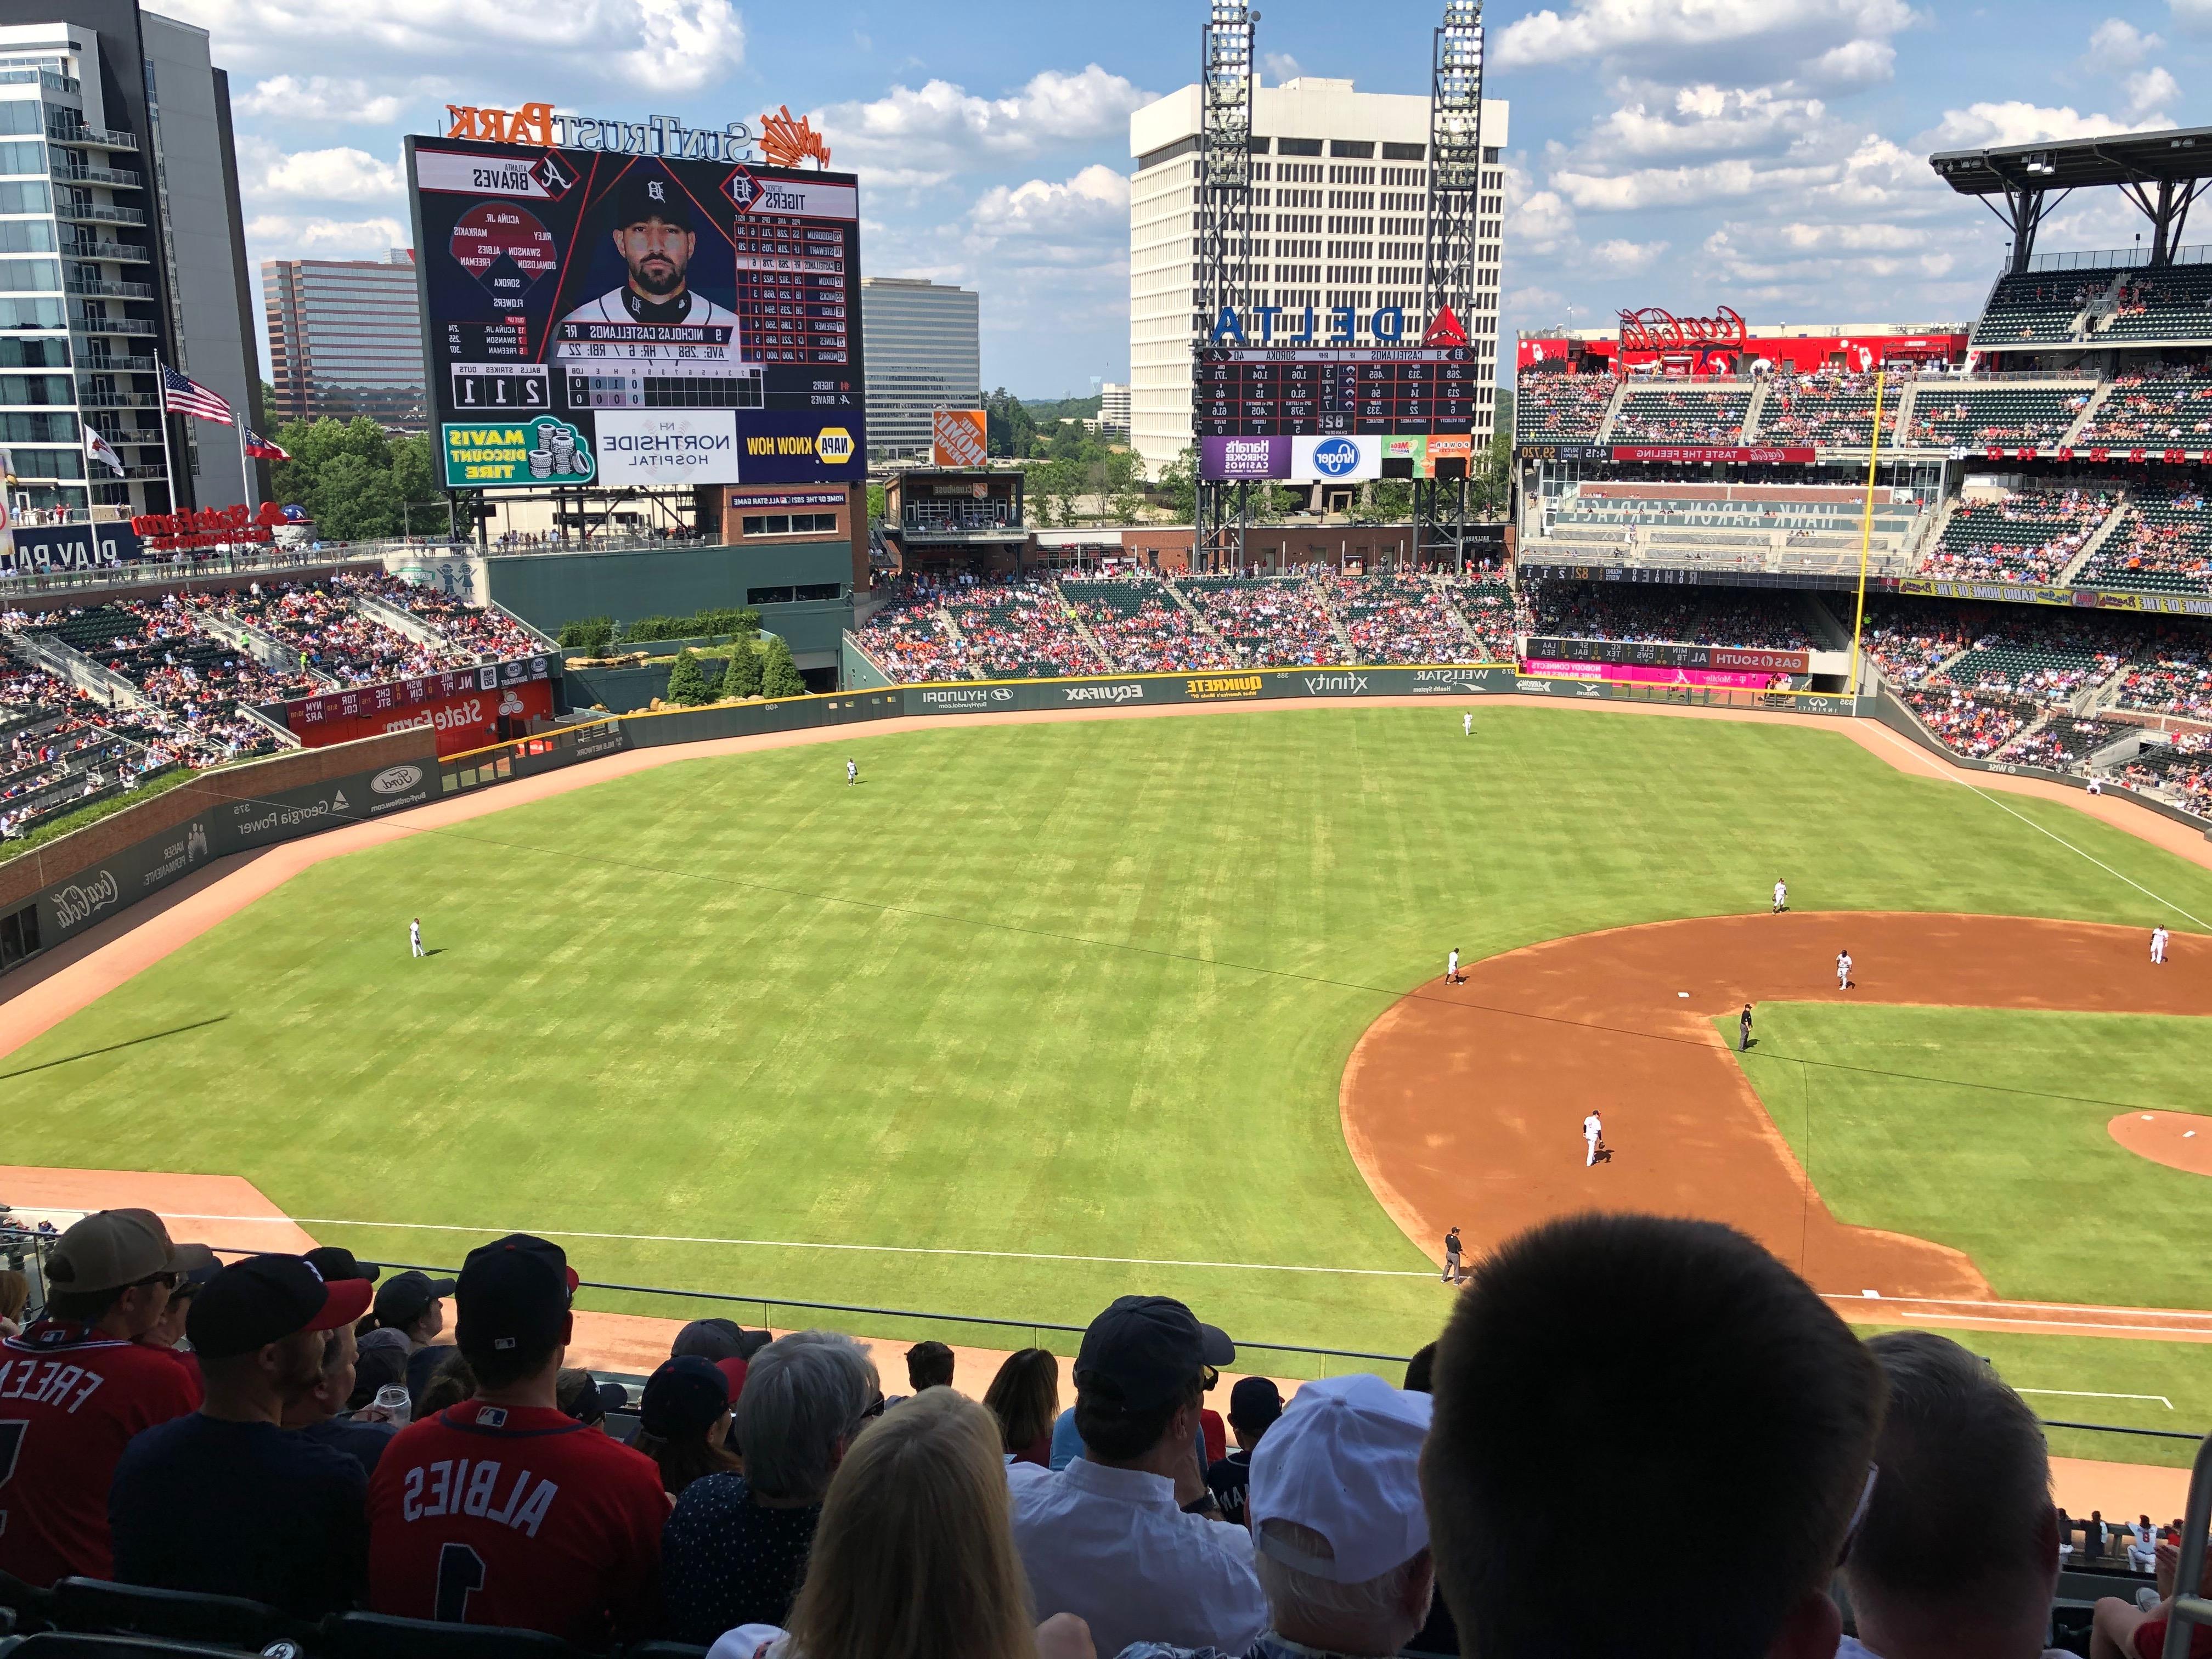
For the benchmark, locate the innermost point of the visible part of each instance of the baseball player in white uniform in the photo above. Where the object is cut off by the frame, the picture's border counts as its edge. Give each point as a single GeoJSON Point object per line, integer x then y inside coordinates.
{"type": "Point", "coordinates": [1781, 897]}
{"type": "Point", "coordinates": [1843, 970]}
{"type": "Point", "coordinates": [2158, 939]}
{"type": "Point", "coordinates": [1451, 967]}
{"type": "Point", "coordinates": [852, 773]}
{"type": "Point", "coordinates": [414, 936]}
{"type": "Point", "coordinates": [1592, 1132]}
{"type": "Point", "coordinates": [652, 224]}
{"type": "Point", "coordinates": [1466, 723]}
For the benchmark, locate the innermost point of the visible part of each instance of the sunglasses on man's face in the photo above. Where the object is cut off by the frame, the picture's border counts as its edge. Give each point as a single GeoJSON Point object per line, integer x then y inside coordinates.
{"type": "Point", "coordinates": [167, 1281]}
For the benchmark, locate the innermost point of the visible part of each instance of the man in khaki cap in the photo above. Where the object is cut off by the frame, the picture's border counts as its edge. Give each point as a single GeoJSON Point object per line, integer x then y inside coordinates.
{"type": "Point", "coordinates": [76, 1386]}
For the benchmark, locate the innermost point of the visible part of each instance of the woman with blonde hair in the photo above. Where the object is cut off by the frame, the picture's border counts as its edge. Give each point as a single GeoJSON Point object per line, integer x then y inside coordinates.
{"type": "Point", "coordinates": [15, 1297]}
{"type": "Point", "coordinates": [1025, 1396]}
{"type": "Point", "coordinates": [915, 1558]}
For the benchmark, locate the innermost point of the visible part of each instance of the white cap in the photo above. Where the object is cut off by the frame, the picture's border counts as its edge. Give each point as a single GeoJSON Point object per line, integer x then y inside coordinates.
{"type": "Point", "coordinates": [1344, 1460]}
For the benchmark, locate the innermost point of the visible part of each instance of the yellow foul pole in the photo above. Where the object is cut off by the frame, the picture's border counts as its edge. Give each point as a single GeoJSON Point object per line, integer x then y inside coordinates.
{"type": "Point", "coordinates": [1866, 535]}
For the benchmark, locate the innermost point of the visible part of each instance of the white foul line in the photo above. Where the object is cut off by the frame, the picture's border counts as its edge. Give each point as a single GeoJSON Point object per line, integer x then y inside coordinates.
{"type": "Point", "coordinates": [2084, 1394]}
{"type": "Point", "coordinates": [1915, 750]}
{"type": "Point", "coordinates": [795, 1244]}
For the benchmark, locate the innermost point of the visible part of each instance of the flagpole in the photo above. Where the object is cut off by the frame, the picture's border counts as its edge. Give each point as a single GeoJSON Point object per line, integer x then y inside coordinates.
{"type": "Point", "coordinates": [168, 461]}
{"type": "Point", "coordinates": [245, 463]}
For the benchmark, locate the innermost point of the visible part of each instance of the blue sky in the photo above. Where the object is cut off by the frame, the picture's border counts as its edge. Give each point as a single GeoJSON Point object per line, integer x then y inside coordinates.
{"type": "Point", "coordinates": [1769, 154]}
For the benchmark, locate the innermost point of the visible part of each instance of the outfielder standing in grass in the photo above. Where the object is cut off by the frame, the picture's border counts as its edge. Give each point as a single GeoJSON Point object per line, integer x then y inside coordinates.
{"type": "Point", "coordinates": [852, 773]}
{"type": "Point", "coordinates": [415, 937]}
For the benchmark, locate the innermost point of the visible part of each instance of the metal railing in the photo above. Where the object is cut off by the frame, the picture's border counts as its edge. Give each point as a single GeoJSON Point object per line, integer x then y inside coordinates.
{"type": "Point", "coordinates": [116, 177]}
{"type": "Point", "coordinates": [79, 285]}
{"type": "Point", "coordinates": [87, 324]}
{"type": "Point", "coordinates": [94, 213]}
{"type": "Point", "coordinates": [148, 572]}
{"type": "Point", "coordinates": [94, 248]}
{"type": "Point", "coordinates": [2111, 259]}
{"type": "Point", "coordinates": [90, 137]}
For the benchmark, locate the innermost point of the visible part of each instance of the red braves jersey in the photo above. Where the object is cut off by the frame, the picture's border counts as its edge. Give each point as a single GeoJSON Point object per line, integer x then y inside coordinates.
{"type": "Point", "coordinates": [71, 1399]}
{"type": "Point", "coordinates": [500, 1515]}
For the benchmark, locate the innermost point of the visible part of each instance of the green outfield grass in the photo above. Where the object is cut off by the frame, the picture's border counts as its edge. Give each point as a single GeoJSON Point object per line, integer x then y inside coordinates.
{"type": "Point", "coordinates": [1048, 990]}
{"type": "Point", "coordinates": [1898, 1112]}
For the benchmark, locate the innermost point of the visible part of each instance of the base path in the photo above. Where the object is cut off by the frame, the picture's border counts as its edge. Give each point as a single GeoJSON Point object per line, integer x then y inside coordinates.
{"type": "Point", "coordinates": [1463, 1104]}
{"type": "Point", "coordinates": [73, 975]}
{"type": "Point", "coordinates": [2181, 1140]}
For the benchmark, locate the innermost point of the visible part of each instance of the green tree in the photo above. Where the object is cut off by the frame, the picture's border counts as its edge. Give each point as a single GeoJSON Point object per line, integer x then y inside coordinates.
{"type": "Point", "coordinates": [591, 635]}
{"type": "Point", "coordinates": [687, 680]}
{"type": "Point", "coordinates": [1058, 483]}
{"type": "Point", "coordinates": [779, 676]}
{"type": "Point", "coordinates": [876, 507]}
{"type": "Point", "coordinates": [353, 499]}
{"type": "Point", "coordinates": [416, 485]}
{"type": "Point", "coordinates": [1490, 483]}
{"type": "Point", "coordinates": [1179, 484]}
{"type": "Point", "coordinates": [1125, 479]}
{"type": "Point", "coordinates": [1008, 428]}
{"type": "Point", "coordinates": [743, 677]}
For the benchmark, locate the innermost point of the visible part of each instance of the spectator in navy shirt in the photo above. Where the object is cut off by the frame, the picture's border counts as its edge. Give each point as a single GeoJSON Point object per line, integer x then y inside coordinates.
{"type": "Point", "coordinates": [320, 1414]}
{"type": "Point", "coordinates": [226, 1501]}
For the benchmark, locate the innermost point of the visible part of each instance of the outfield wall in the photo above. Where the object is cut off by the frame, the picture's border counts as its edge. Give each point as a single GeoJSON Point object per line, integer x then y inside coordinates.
{"type": "Point", "coordinates": [100, 871]}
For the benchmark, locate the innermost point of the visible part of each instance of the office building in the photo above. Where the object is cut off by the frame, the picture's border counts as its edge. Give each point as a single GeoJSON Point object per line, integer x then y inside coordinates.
{"type": "Point", "coordinates": [922, 345]}
{"type": "Point", "coordinates": [1114, 411]}
{"type": "Point", "coordinates": [345, 338]}
{"type": "Point", "coordinates": [124, 249]}
{"type": "Point", "coordinates": [1338, 202]}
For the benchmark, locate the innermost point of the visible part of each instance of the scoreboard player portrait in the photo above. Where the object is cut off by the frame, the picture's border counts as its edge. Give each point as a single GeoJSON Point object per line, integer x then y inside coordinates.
{"type": "Point", "coordinates": [656, 313]}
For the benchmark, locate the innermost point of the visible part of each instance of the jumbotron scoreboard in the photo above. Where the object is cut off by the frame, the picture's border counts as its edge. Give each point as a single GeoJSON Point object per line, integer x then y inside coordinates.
{"type": "Point", "coordinates": [1300, 391]}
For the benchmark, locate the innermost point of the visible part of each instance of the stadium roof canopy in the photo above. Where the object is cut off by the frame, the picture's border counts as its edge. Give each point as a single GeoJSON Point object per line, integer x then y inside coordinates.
{"type": "Point", "coordinates": [2162, 173]}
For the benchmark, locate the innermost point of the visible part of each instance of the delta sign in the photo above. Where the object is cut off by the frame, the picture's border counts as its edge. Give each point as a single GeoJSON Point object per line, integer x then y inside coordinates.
{"type": "Point", "coordinates": [1386, 326]}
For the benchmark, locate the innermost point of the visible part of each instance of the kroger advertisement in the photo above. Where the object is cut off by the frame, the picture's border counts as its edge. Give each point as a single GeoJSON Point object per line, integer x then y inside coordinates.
{"type": "Point", "coordinates": [612, 319]}
{"type": "Point", "coordinates": [1341, 458]}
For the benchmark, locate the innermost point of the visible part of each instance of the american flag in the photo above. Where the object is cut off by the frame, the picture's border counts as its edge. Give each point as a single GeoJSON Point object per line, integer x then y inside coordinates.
{"type": "Point", "coordinates": [181, 396]}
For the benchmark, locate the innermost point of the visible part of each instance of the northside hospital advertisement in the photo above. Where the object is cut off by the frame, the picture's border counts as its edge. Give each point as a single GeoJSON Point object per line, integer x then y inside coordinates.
{"type": "Point", "coordinates": [619, 320]}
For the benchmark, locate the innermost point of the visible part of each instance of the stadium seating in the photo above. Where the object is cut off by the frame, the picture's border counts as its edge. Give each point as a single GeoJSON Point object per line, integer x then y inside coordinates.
{"type": "Point", "coordinates": [486, 635]}
{"type": "Point", "coordinates": [1692, 616]}
{"type": "Point", "coordinates": [2164, 545]}
{"type": "Point", "coordinates": [2169, 675]}
{"type": "Point", "coordinates": [908, 638]}
{"type": "Point", "coordinates": [1141, 628]}
{"type": "Point", "coordinates": [2167, 409]}
{"type": "Point", "coordinates": [2180, 770]}
{"type": "Point", "coordinates": [1560, 408]}
{"type": "Point", "coordinates": [2030, 537]}
{"type": "Point", "coordinates": [2005, 417]}
{"type": "Point", "coordinates": [61, 749]}
{"type": "Point", "coordinates": [1267, 620]}
{"type": "Point", "coordinates": [1827, 409]}
{"type": "Point", "coordinates": [1975, 724]}
{"type": "Point", "coordinates": [2039, 307]}
{"type": "Point", "coordinates": [1019, 630]}
{"type": "Point", "coordinates": [2172, 304]}
{"type": "Point", "coordinates": [1676, 412]}
{"type": "Point", "coordinates": [2064, 742]}
{"type": "Point", "coordinates": [1744, 527]}
{"type": "Point", "coordinates": [2031, 659]}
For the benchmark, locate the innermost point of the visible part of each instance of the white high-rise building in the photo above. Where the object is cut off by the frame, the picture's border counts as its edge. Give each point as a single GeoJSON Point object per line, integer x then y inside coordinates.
{"type": "Point", "coordinates": [1339, 192]}
{"type": "Point", "coordinates": [923, 351]}
{"type": "Point", "coordinates": [1113, 409]}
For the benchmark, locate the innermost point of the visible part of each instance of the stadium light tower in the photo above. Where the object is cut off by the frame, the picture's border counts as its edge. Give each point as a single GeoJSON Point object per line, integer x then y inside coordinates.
{"type": "Point", "coordinates": [1224, 239]}
{"type": "Point", "coordinates": [1455, 203]}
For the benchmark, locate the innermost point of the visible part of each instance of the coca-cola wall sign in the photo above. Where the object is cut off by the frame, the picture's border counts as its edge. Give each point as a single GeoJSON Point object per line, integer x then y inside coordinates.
{"type": "Point", "coordinates": [1653, 329]}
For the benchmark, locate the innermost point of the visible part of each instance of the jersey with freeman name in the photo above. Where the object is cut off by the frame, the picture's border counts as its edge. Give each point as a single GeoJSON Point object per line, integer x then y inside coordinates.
{"type": "Point", "coordinates": [522, 1516]}
{"type": "Point", "coordinates": [71, 1399]}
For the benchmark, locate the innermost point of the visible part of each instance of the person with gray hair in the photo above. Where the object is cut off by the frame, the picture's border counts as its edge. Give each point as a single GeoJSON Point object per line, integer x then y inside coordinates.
{"type": "Point", "coordinates": [1341, 1541]}
{"type": "Point", "coordinates": [1956, 1556]}
{"type": "Point", "coordinates": [734, 1551]}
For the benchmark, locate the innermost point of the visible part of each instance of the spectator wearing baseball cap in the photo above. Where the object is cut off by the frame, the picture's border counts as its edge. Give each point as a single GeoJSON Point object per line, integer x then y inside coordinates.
{"type": "Point", "coordinates": [1663, 1368]}
{"type": "Point", "coordinates": [1254, 1405]}
{"type": "Point", "coordinates": [413, 1304]}
{"type": "Point", "coordinates": [684, 1419]}
{"type": "Point", "coordinates": [1340, 1540]}
{"type": "Point", "coordinates": [503, 1510]}
{"type": "Point", "coordinates": [83, 1384]}
{"type": "Point", "coordinates": [718, 1340]}
{"type": "Point", "coordinates": [226, 1501]}
{"type": "Point", "coordinates": [321, 1414]}
{"type": "Point", "coordinates": [1127, 1537]}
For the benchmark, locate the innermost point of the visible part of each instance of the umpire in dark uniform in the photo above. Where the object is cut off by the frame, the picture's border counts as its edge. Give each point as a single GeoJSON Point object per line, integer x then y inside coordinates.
{"type": "Point", "coordinates": [1743, 1031]}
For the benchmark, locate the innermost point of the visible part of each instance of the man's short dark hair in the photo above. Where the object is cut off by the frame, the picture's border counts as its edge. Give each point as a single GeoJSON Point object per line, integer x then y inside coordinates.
{"type": "Point", "coordinates": [502, 1368]}
{"type": "Point", "coordinates": [1642, 1370]}
{"type": "Point", "coordinates": [1114, 1434]}
{"type": "Point", "coordinates": [929, 1365]}
{"type": "Point", "coordinates": [1962, 1511]}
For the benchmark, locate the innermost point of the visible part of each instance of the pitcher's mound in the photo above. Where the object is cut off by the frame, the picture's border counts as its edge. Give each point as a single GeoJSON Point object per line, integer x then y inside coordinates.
{"type": "Point", "coordinates": [2181, 1140]}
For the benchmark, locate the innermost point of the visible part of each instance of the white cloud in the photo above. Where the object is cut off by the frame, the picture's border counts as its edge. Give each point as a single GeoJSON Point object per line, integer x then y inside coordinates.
{"type": "Point", "coordinates": [1704, 120]}
{"type": "Point", "coordinates": [1043, 223]}
{"type": "Point", "coordinates": [913, 137]}
{"type": "Point", "coordinates": [1611, 29]}
{"type": "Point", "coordinates": [319, 98]}
{"type": "Point", "coordinates": [281, 236]}
{"type": "Point", "coordinates": [1279, 66]}
{"type": "Point", "coordinates": [2151, 88]}
{"type": "Point", "coordinates": [1541, 223]}
{"type": "Point", "coordinates": [1671, 187]}
{"type": "Point", "coordinates": [668, 46]}
{"type": "Point", "coordinates": [2115, 44]}
{"type": "Point", "coordinates": [341, 175]}
{"type": "Point", "coordinates": [1853, 64]}
{"type": "Point", "coordinates": [2015, 122]}
{"type": "Point", "coordinates": [2191, 13]}
{"type": "Point", "coordinates": [1622, 258]}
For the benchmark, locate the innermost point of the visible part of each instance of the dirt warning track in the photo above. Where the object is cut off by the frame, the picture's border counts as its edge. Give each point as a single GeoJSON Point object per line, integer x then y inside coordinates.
{"type": "Point", "coordinates": [1463, 1104]}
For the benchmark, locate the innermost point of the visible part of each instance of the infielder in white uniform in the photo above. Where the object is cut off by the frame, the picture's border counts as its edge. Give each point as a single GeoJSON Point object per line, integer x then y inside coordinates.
{"type": "Point", "coordinates": [414, 936]}
{"type": "Point", "coordinates": [1843, 970]}
{"type": "Point", "coordinates": [1781, 897]}
{"type": "Point", "coordinates": [1592, 1132]}
{"type": "Point", "coordinates": [1451, 967]}
{"type": "Point", "coordinates": [2158, 939]}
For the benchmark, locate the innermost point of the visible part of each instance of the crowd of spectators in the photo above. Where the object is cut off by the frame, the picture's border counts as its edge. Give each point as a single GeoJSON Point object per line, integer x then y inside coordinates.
{"type": "Point", "coordinates": [2161, 407]}
{"type": "Point", "coordinates": [1019, 630]}
{"type": "Point", "coordinates": [333, 637]}
{"type": "Point", "coordinates": [1268, 620]}
{"type": "Point", "coordinates": [1560, 408]}
{"type": "Point", "coordinates": [478, 634]}
{"type": "Point", "coordinates": [1400, 619]}
{"type": "Point", "coordinates": [1828, 406]}
{"type": "Point", "coordinates": [1632, 615]}
{"type": "Point", "coordinates": [230, 1430]}
{"type": "Point", "coordinates": [1141, 628]}
{"type": "Point", "coordinates": [2169, 674]}
{"type": "Point", "coordinates": [2180, 769]}
{"type": "Point", "coordinates": [1975, 724]}
{"type": "Point", "coordinates": [1680, 416]}
{"type": "Point", "coordinates": [2030, 536]}
{"type": "Point", "coordinates": [2164, 543]}
{"type": "Point", "coordinates": [907, 637]}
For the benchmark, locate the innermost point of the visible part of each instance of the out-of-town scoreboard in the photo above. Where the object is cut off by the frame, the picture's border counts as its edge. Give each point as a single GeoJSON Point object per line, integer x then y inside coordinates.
{"type": "Point", "coordinates": [1313, 391]}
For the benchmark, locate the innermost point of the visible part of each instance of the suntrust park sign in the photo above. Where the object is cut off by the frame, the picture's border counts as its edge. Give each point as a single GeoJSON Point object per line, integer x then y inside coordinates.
{"type": "Point", "coordinates": [656, 135]}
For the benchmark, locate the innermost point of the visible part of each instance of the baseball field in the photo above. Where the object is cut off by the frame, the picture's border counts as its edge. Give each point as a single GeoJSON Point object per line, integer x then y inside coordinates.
{"type": "Point", "coordinates": [1038, 1014]}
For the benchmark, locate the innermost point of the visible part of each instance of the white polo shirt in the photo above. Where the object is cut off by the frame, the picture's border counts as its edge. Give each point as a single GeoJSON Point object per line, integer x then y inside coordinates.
{"type": "Point", "coordinates": [1114, 1547]}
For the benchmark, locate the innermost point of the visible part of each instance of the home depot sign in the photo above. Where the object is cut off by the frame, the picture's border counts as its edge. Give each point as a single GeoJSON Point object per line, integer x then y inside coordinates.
{"type": "Point", "coordinates": [957, 437]}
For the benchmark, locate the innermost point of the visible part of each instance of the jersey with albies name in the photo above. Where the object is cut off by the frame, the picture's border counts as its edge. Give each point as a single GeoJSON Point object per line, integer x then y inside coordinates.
{"type": "Point", "coordinates": [71, 1399]}
{"type": "Point", "coordinates": [510, 1515]}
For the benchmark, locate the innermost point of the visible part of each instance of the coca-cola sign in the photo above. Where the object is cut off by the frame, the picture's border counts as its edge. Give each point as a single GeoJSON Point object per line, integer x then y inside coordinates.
{"type": "Point", "coordinates": [1653, 329]}
{"type": "Point", "coordinates": [81, 901]}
